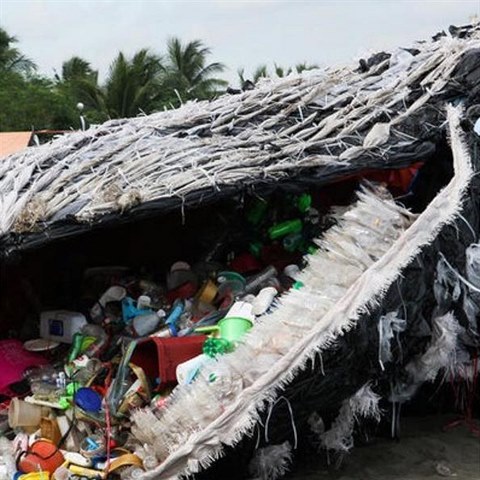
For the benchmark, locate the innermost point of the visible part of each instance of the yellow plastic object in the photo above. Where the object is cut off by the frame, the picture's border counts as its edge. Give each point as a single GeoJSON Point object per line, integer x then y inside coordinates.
{"type": "Point", "coordinates": [208, 292]}
{"type": "Point", "coordinates": [127, 460]}
{"type": "Point", "coordinates": [86, 472]}
{"type": "Point", "coordinates": [35, 476]}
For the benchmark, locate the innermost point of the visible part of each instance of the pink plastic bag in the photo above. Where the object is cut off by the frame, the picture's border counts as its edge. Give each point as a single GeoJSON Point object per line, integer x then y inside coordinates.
{"type": "Point", "coordinates": [14, 360]}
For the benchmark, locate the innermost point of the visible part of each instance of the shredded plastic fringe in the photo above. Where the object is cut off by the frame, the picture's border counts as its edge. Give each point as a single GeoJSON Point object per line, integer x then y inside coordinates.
{"type": "Point", "coordinates": [272, 462]}
{"type": "Point", "coordinates": [363, 404]}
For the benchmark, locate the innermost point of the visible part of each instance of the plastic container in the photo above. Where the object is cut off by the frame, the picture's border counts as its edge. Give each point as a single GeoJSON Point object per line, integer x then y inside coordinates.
{"type": "Point", "coordinates": [24, 414]}
{"type": "Point", "coordinates": [159, 357]}
{"type": "Point", "coordinates": [35, 476]}
{"type": "Point", "coordinates": [42, 455]}
{"type": "Point", "coordinates": [61, 325]}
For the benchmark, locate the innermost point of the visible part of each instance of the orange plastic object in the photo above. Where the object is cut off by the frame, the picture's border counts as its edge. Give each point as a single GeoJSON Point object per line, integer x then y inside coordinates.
{"type": "Point", "coordinates": [43, 455]}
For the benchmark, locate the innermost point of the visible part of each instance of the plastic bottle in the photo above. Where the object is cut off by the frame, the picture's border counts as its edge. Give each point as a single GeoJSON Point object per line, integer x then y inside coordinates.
{"type": "Point", "coordinates": [292, 242]}
{"type": "Point", "coordinates": [145, 324]}
{"type": "Point", "coordinates": [304, 202]}
{"type": "Point", "coordinates": [257, 213]}
{"type": "Point", "coordinates": [285, 228]}
{"type": "Point", "coordinates": [254, 283]}
{"type": "Point", "coordinates": [263, 300]}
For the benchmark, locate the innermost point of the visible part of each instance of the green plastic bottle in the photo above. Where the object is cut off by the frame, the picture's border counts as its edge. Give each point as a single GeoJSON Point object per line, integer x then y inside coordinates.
{"type": "Point", "coordinates": [304, 202]}
{"type": "Point", "coordinates": [285, 228]}
{"type": "Point", "coordinates": [257, 212]}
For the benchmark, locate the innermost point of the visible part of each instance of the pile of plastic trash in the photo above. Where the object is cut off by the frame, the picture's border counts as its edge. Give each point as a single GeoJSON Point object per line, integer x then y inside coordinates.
{"type": "Point", "coordinates": [67, 396]}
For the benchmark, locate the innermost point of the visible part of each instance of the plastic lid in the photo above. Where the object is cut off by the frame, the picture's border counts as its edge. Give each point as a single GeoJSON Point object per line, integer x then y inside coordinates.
{"type": "Point", "coordinates": [241, 310]}
{"type": "Point", "coordinates": [88, 400]}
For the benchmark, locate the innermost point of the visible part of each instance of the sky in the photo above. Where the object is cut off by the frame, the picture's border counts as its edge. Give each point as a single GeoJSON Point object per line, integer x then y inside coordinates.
{"type": "Point", "coordinates": [240, 33]}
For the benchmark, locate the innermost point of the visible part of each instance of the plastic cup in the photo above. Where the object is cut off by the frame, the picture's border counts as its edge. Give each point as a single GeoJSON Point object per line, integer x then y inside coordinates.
{"type": "Point", "coordinates": [24, 414]}
{"type": "Point", "coordinates": [234, 328]}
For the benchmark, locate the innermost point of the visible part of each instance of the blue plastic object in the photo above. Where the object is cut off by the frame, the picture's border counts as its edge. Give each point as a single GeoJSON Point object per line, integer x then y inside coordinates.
{"type": "Point", "coordinates": [130, 311]}
{"type": "Point", "coordinates": [88, 400]}
{"type": "Point", "coordinates": [175, 314]}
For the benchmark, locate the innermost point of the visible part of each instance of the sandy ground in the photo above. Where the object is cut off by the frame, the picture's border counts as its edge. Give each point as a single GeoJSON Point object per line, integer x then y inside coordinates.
{"type": "Point", "coordinates": [424, 452]}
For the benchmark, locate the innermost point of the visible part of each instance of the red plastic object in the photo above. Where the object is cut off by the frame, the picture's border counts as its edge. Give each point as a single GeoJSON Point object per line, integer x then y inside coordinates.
{"type": "Point", "coordinates": [159, 357]}
{"type": "Point", "coordinates": [245, 263]}
{"type": "Point", "coordinates": [187, 290]}
{"type": "Point", "coordinates": [42, 455]}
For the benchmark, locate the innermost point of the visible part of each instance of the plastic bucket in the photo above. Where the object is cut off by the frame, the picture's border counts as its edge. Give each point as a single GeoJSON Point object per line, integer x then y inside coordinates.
{"type": "Point", "coordinates": [24, 414]}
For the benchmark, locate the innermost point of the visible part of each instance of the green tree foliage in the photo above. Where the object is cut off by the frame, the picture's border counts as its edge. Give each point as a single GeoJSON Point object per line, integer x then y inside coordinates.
{"type": "Point", "coordinates": [34, 103]}
{"type": "Point", "coordinates": [28, 100]}
{"type": "Point", "coordinates": [79, 83]}
{"type": "Point", "coordinates": [143, 83]}
{"type": "Point", "coordinates": [11, 60]}
{"type": "Point", "coordinates": [75, 69]}
{"type": "Point", "coordinates": [187, 73]}
{"type": "Point", "coordinates": [133, 85]}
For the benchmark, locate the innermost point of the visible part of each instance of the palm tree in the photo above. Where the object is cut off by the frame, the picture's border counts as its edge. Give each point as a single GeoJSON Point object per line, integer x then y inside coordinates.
{"type": "Point", "coordinates": [134, 86]}
{"type": "Point", "coordinates": [77, 68]}
{"type": "Point", "coordinates": [188, 73]}
{"type": "Point", "coordinates": [11, 59]}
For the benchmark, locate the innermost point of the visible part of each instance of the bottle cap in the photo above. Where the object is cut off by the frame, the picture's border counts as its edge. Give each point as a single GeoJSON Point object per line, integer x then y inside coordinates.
{"type": "Point", "coordinates": [88, 400]}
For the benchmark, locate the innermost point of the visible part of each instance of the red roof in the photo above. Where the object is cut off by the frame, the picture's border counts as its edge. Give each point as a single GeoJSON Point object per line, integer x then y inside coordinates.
{"type": "Point", "coordinates": [11, 142]}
